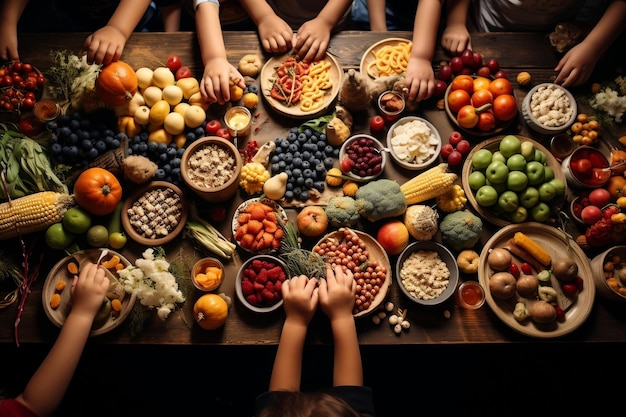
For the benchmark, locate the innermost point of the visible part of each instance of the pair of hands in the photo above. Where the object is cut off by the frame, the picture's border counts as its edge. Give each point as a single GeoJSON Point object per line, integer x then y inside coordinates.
{"type": "Point", "coordinates": [335, 295]}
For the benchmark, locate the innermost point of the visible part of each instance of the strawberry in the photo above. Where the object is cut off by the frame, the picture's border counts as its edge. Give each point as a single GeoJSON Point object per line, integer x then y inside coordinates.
{"type": "Point", "coordinates": [262, 277]}
{"type": "Point", "coordinates": [267, 295]}
{"type": "Point", "coordinates": [278, 285]}
{"type": "Point", "coordinates": [270, 286]}
{"type": "Point", "coordinates": [258, 287]}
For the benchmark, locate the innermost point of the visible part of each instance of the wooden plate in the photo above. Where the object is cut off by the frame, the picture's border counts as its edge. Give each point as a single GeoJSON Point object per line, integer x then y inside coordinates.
{"type": "Point", "coordinates": [235, 224]}
{"type": "Point", "coordinates": [552, 240]}
{"type": "Point", "coordinates": [493, 145]}
{"type": "Point", "coordinates": [377, 254]}
{"type": "Point", "coordinates": [369, 57]}
{"type": "Point", "coordinates": [268, 75]}
{"type": "Point", "coordinates": [60, 272]}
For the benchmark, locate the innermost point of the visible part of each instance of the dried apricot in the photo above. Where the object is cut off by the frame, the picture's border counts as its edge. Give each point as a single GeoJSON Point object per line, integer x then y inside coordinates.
{"type": "Point", "coordinates": [55, 300]}
{"type": "Point", "coordinates": [72, 268]}
{"type": "Point", "coordinates": [111, 263]}
{"type": "Point", "coordinates": [60, 285]}
{"type": "Point", "coordinates": [116, 305]}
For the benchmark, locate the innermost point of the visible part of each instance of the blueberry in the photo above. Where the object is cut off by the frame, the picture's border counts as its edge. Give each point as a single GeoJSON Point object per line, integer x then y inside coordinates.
{"type": "Point", "coordinates": [92, 153]}
{"type": "Point", "coordinates": [56, 148]}
{"type": "Point", "coordinates": [51, 126]}
{"type": "Point", "coordinates": [101, 146]}
{"type": "Point", "coordinates": [152, 146]}
{"type": "Point", "coordinates": [86, 144]}
{"type": "Point", "coordinates": [160, 173]}
{"type": "Point", "coordinates": [115, 144]}
{"type": "Point", "coordinates": [75, 125]}
{"type": "Point", "coordinates": [162, 148]}
{"type": "Point", "coordinates": [308, 183]}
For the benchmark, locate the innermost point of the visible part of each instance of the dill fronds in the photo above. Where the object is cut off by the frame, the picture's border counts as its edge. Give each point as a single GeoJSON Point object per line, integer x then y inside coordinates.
{"type": "Point", "coordinates": [299, 261]}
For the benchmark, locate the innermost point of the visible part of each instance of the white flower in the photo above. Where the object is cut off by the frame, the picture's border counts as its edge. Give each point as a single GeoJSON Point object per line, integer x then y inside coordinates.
{"type": "Point", "coordinates": [152, 282]}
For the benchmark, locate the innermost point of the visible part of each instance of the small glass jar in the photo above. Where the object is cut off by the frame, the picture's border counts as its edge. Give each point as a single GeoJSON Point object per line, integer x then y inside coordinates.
{"type": "Point", "coordinates": [470, 295]}
{"type": "Point", "coordinates": [207, 274]}
{"type": "Point", "coordinates": [46, 110]}
{"type": "Point", "coordinates": [561, 146]}
{"type": "Point", "coordinates": [391, 104]}
{"type": "Point", "coordinates": [238, 119]}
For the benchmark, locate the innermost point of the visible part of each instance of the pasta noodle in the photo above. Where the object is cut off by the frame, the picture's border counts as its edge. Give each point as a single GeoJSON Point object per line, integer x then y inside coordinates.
{"type": "Point", "coordinates": [306, 84]}
{"type": "Point", "coordinates": [390, 59]}
{"type": "Point", "coordinates": [314, 85]}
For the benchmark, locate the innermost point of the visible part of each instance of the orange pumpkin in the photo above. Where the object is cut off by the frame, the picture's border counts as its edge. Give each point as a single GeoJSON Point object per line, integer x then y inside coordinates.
{"type": "Point", "coordinates": [98, 191]}
{"type": "Point", "coordinates": [210, 311]}
{"type": "Point", "coordinates": [116, 84]}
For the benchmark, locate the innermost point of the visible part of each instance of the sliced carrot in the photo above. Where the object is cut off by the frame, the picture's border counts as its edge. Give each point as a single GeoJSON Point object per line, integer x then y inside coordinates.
{"type": "Point", "coordinates": [279, 233]}
{"type": "Point", "coordinates": [271, 216]}
{"type": "Point", "coordinates": [55, 300]}
{"type": "Point", "coordinates": [241, 230]}
{"type": "Point", "coordinates": [255, 226]}
{"type": "Point", "coordinates": [268, 239]}
{"type": "Point", "coordinates": [269, 226]}
{"type": "Point", "coordinates": [72, 268]}
{"type": "Point", "coordinates": [119, 266]}
{"type": "Point", "coordinates": [60, 285]}
{"type": "Point", "coordinates": [246, 241]}
{"type": "Point", "coordinates": [267, 208]}
{"type": "Point", "coordinates": [256, 210]}
{"type": "Point", "coordinates": [116, 305]}
{"type": "Point", "coordinates": [109, 264]}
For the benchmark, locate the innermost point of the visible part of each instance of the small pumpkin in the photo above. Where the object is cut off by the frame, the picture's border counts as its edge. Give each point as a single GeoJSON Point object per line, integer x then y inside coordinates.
{"type": "Point", "coordinates": [98, 191]}
{"type": "Point", "coordinates": [116, 84]}
{"type": "Point", "coordinates": [210, 311]}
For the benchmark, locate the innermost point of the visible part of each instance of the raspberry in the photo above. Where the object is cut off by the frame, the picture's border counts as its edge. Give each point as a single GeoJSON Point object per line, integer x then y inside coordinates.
{"type": "Point", "coordinates": [275, 272]}
{"type": "Point", "coordinates": [262, 277]}
{"type": "Point", "coordinates": [270, 286]}
{"type": "Point", "coordinates": [278, 285]}
{"type": "Point", "coordinates": [246, 287]}
{"type": "Point", "coordinates": [251, 298]}
{"type": "Point", "coordinates": [267, 295]}
{"type": "Point", "coordinates": [258, 286]}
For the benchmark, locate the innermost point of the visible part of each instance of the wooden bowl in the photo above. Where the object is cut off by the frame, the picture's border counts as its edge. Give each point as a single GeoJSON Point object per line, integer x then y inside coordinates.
{"type": "Point", "coordinates": [160, 190]}
{"type": "Point", "coordinates": [493, 145]}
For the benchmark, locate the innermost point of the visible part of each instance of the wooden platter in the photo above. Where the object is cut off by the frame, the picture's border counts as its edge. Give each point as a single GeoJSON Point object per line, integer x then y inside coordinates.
{"type": "Point", "coordinates": [268, 75]}
{"type": "Point", "coordinates": [553, 241]}
{"type": "Point", "coordinates": [369, 57]}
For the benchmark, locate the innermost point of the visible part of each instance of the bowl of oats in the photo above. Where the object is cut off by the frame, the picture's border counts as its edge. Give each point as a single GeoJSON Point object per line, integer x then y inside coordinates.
{"type": "Point", "coordinates": [427, 273]}
{"type": "Point", "coordinates": [210, 167]}
{"type": "Point", "coordinates": [549, 109]}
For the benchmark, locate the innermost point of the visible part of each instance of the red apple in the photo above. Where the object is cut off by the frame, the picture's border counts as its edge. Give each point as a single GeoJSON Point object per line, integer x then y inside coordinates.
{"type": "Point", "coordinates": [312, 221]}
{"type": "Point", "coordinates": [393, 236]}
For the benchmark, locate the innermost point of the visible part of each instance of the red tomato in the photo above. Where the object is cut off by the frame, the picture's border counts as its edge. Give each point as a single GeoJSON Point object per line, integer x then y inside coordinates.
{"type": "Point", "coordinates": [481, 97]}
{"type": "Point", "coordinates": [463, 82]}
{"type": "Point", "coordinates": [500, 86]}
{"type": "Point", "coordinates": [213, 126]}
{"type": "Point", "coordinates": [467, 117]}
{"type": "Point", "coordinates": [504, 107]}
{"type": "Point", "coordinates": [457, 99]}
{"type": "Point", "coordinates": [377, 123]}
{"type": "Point", "coordinates": [174, 63]}
{"type": "Point", "coordinates": [26, 68]}
{"type": "Point", "coordinates": [346, 164]}
{"type": "Point", "coordinates": [486, 121]}
{"type": "Point", "coordinates": [183, 72]}
{"type": "Point", "coordinates": [30, 126]}
{"type": "Point", "coordinates": [223, 133]}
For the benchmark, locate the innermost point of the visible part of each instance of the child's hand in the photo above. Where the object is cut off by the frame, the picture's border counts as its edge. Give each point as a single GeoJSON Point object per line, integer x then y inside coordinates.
{"type": "Point", "coordinates": [300, 298]}
{"type": "Point", "coordinates": [215, 83]}
{"type": "Point", "coordinates": [337, 292]}
{"type": "Point", "coordinates": [312, 40]}
{"type": "Point", "coordinates": [576, 66]}
{"type": "Point", "coordinates": [88, 290]}
{"type": "Point", "coordinates": [419, 79]}
{"type": "Point", "coordinates": [276, 35]}
{"type": "Point", "coordinates": [8, 44]}
{"type": "Point", "coordinates": [104, 46]}
{"type": "Point", "coordinates": [456, 39]}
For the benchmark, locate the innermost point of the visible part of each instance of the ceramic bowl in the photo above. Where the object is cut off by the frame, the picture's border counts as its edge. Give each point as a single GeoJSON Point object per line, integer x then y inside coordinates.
{"type": "Point", "coordinates": [432, 291]}
{"type": "Point", "coordinates": [609, 283]}
{"type": "Point", "coordinates": [413, 143]}
{"type": "Point", "coordinates": [367, 152]}
{"type": "Point", "coordinates": [251, 270]}
{"type": "Point", "coordinates": [164, 227]}
{"type": "Point", "coordinates": [536, 106]}
{"type": "Point", "coordinates": [210, 167]}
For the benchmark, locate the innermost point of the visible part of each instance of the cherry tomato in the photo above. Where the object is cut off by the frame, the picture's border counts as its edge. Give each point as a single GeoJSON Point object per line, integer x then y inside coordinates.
{"type": "Point", "coordinates": [223, 133]}
{"type": "Point", "coordinates": [217, 213]}
{"type": "Point", "coordinates": [28, 103]}
{"type": "Point", "coordinates": [213, 126]}
{"type": "Point", "coordinates": [26, 68]}
{"type": "Point", "coordinates": [455, 158]}
{"type": "Point", "coordinates": [514, 270]}
{"type": "Point", "coordinates": [17, 66]}
{"type": "Point", "coordinates": [526, 268]}
{"type": "Point", "coordinates": [346, 164]}
{"type": "Point", "coordinates": [174, 63]}
{"type": "Point", "coordinates": [377, 123]}
{"type": "Point", "coordinates": [569, 289]}
{"type": "Point", "coordinates": [183, 72]}
{"type": "Point", "coordinates": [504, 107]}
{"type": "Point", "coordinates": [30, 126]}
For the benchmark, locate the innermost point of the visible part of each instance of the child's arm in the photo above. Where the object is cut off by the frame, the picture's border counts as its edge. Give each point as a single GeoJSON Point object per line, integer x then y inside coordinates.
{"type": "Point", "coordinates": [106, 44]}
{"type": "Point", "coordinates": [420, 77]}
{"type": "Point", "coordinates": [10, 14]}
{"type": "Point", "coordinates": [377, 15]}
{"type": "Point", "coordinates": [337, 300]}
{"type": "Point", "coordinates": [456, 37]}
{"type": "Point", "coordinates": [578, 64]}
{"type": "Point", "coordinates": [275, 34]}
{"type": "Point", "coordinates": [313, 36]}
{"type": "Point", "coordinates": [46, 388]}
{"type": "Point", "coordinates": [300, 302]}
{"type": "Point", "coordinates": [215, 82]}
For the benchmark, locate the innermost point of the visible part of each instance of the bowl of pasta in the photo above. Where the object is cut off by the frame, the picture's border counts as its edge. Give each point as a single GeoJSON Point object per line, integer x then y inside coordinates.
{"type": "Point", "coordinates": [300, 90]}
{"type": "Point", "coordinates": [388, 57]}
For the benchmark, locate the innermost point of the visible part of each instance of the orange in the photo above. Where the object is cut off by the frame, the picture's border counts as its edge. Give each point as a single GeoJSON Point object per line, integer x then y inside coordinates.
{"type": "Point", "coordinates": [500, 86]}
{"type": "Point", "coordinates": [236, 92]}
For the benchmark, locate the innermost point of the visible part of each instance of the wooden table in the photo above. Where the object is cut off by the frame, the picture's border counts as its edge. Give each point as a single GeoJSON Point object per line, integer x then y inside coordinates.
{"type": "Point", "coordinates": [515, 52]}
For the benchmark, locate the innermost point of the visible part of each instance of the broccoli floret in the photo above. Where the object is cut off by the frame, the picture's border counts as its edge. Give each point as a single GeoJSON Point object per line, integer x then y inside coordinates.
{"type": "Point", "coordinates": [380, 199]}
{"type": "Point", "coordinates": [342, 212]}
{"type": "Point", "coordinates": [461, 229]}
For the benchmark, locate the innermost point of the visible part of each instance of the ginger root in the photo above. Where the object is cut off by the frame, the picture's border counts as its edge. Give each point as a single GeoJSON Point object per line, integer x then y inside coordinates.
{"type": "Point", "coordinates": [354, 93]}
{"type": "Point", "coordinates": [337, 132]}
{"type": "Point", "coordinates": [139, 169]}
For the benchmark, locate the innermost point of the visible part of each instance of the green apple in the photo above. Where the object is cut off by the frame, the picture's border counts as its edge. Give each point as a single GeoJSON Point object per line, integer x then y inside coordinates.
{"type": "Point", "coordinates": [510, 145]}
{"type": "Point", "coordinates": [559, 187]}
{"type": "Point", "coordinates": [516, 162]}
{"type": "Point", "coordinates": [529, 197]}
{"type": "Point", "coordinates": [546, 192]}
{"type": "Point", "coordinates": [527, 150]}
{"type": "Point", "coordinates": [497, 156]}
{"type": "Point", "coordinates": [535, 172]}
{"type": "Point", "coordinates": [540, 156]}
{"type": "Point", "coordinates": [476, 180]}
{"type": "Point", "coordinates": [516, 181]}
{"type": "Point", "coordinates": [519, 215]}
{"type": "Point", "coordinates": [481, 158]}
{"type": "Point", "coordinates": [508, 201]}
{"type": "Point", "coordinates": [486, 196]}
{"type": "Point", "coordinates": [540, 212]}
{"type": "Point", "coordinates": [496, 172]}
{"type": "Point", "coordinates": [500, 188]}
{"type": "Point", "coordinates": [549, 173]}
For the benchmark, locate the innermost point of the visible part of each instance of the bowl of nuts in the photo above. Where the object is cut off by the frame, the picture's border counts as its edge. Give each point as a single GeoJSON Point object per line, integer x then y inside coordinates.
{"type": "Point", "coordinates": [362, 157]}
{"type": "Point", "coordinates": [210, 167]}
{"type": "Point", "coordinates": [427, 273]}
{"type": "Point", "coordinates": [549, 109]}
{"type": "Point", "coordinates": [154, 214]}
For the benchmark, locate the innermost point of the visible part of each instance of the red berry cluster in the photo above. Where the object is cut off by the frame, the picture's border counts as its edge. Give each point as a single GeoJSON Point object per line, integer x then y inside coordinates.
{"type": "Point", "coordinates": [455, 150]}
{"type": "Point", "coordinates": [261, 282]}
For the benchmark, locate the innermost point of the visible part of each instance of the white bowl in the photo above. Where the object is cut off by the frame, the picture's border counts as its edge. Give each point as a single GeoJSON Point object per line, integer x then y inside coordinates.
{"type": "Point", "coordinates": [423, 136]}
{"type": "Point", "coordinates": [446, 256]}
{"type": "Point", "coordinates": [568, 109]}
{"type": "Point", "coordinates": [344, 150]}
{"type": "Point", "coordinates": [259, 308]}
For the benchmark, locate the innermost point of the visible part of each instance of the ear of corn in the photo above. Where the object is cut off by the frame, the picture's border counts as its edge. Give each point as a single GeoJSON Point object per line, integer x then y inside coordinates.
{"type": "Point", "coordinates": [429, 184]}
{"type": "Point", "coordinates": [33, 213]}
{"type": "Point", "coordinates": [533, 248]}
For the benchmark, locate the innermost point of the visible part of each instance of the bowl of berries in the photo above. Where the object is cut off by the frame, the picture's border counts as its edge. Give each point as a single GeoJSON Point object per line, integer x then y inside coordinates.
{"type": "Point", "coordinates": [362, 157]}
{"type": "Point", "coordinates": [259, 281]}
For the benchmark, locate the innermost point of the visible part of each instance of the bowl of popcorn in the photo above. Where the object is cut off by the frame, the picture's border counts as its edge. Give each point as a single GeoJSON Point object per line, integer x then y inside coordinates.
{"type": "Point", "coordinates": [154, 214]}
{"type": "Point", "coordinates": [210, 167]}
{"type": "Point", "coordinates": [427, 273]}
{"type": "Point", "coordinates": [413, 143]}
{"type": "Point", "coordinates": [549, 109]}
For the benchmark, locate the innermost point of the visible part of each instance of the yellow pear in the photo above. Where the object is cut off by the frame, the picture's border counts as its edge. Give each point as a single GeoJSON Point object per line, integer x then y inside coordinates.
{"type": "Point", "coordinates": [181, 108]}
{"type": "Point", "coordinates": [194, 116]}
{"type": "Point", "coordinates": [159, 111]}
{"type": "Point", "coordinates": [173, 94]}
{"type": "Point", "coordinates": [144, 77]}
{"type": "Point", "coordinates": [197, 100]}
{"type": "Point", "coordinates": [152, 94]}
{"type": "Point", "coordinates": [163, 77]}
{"type": "Point", "coordinates": [142, 115]}
{"type": "Point", "coordinates": [189, 86]}
{"type": "Point", "coordinates": [174, 123]}
{"type": "Point", "coordinates": [160, 136]}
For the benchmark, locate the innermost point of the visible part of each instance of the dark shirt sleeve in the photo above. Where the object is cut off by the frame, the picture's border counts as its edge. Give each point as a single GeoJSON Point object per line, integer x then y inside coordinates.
{"type": "Point", "coordinates": [12, 408]}
{"type": "Point", "coordinates": [361, 399]}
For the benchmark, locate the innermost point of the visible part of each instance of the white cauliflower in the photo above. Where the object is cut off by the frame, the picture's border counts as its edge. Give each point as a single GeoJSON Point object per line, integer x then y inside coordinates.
{"type": "Point", "coordinates": [609, 101]}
